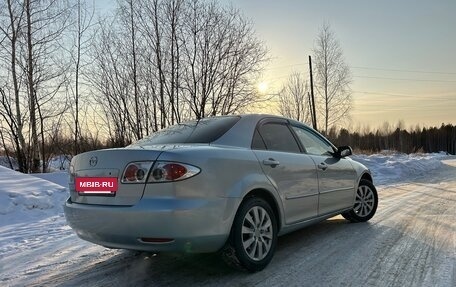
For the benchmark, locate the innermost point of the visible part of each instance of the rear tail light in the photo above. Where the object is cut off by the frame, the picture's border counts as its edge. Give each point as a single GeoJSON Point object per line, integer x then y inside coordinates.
{"type": "Point", "coordinates": [162, 171]}
{"type": "Point", "coordinates": [171, 171]}
{"type": "Point", "coordinates": [72, 174]}
{"type": "Point", "coordinates": [136, 172]}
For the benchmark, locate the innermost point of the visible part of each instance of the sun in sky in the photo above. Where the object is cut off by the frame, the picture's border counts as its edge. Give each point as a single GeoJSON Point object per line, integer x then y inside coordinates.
{"type": "Point", "coordinates": [262, 87]}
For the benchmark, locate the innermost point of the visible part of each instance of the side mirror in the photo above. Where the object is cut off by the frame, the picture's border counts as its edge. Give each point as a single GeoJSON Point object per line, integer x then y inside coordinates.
{"type": "Point", "coordinates": [343, 151]}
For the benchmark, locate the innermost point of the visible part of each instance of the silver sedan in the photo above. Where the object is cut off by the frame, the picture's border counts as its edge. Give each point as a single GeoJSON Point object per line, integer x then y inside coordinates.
{"type": "Point", "coordinates": [230, 184]}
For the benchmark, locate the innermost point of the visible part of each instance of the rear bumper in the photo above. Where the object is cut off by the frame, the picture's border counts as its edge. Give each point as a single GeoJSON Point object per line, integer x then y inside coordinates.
{"type": "Point", "coordinates": [194, 225]}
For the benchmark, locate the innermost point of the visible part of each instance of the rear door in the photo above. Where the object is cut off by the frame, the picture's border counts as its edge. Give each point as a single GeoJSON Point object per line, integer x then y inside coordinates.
{"type": "Point", "coordinates": [291, 172]}
{"type": "Point", "coordinates": [336, 176]}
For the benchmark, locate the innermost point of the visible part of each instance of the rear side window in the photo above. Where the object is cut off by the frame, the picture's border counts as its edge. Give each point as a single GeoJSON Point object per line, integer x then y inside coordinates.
{"type": "Point", "coordinates": [278, 137]}
{"type": "Point", "coordinates": [205, 130]}
{"type": "Point", "coordinates": [257, 141]}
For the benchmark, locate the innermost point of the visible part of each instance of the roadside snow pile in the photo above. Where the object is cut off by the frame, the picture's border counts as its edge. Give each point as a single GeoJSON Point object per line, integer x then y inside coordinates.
{"type": "Point", "coordinates": [58, 177]}
{"type": "Point", "coordinates": [25, 196]}
{"type": "Point", "coordinates": [395, 167]}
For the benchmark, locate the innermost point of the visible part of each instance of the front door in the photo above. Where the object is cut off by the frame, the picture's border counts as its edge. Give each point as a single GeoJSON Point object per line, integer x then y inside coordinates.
{"type": "Point", "coordinates": [336, 176]}
{"type": "Point", "coordinates": [291, 172]}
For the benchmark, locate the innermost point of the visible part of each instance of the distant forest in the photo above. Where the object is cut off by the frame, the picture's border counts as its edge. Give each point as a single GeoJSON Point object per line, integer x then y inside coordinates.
{"type": "Point", "coordinates": [418, 140]}
{"type": "Point", "coordinates": [427, 140]}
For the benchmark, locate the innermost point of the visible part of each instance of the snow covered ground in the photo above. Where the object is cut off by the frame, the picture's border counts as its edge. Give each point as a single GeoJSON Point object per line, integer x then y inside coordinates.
{"type": "Point", "coordinates": [32, 221]}
{"type": "Point", "coordinates": [24, 197]}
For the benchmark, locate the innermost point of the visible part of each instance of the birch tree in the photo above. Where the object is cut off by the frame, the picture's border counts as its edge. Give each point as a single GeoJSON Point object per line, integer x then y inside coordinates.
{"type": "Point", "coordinates": [81, 34]}
{"type": "Point", "coordinates": [332, 79]}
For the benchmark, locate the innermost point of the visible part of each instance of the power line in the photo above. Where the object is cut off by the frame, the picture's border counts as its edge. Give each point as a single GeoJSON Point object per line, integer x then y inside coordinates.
{"type": "Point", "coordinates": [372, 68]}
{"type": "Point", "coordinates": [403, 96]}
{"type": "Point", "coordinates": [376, 77]}
{"type": "Point", "coordinates": [407, 71]}
{"type": "Point", "coordinates": [287, 66]}
{"type": "Point", "coordinates": [304, 74]}
{"type": "Point", "coordinates": [405, 79]}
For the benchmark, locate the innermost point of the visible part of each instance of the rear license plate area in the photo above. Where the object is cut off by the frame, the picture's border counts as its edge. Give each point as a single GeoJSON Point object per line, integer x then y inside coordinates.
{"type": "Point", "coordinates": [98, 186]}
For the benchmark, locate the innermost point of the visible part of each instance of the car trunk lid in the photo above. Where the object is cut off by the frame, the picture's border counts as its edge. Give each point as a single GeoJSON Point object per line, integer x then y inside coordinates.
{"type": "Point", "coordinates": [107, 166]}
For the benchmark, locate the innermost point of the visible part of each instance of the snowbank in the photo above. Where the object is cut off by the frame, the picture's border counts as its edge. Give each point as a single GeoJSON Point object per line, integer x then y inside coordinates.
{"type": "Point", "coordinates": [58, 177]}
{"type": "Point", "coordinates": [388, 168]}
{"type": "Point", "coordinates": [23, 196]}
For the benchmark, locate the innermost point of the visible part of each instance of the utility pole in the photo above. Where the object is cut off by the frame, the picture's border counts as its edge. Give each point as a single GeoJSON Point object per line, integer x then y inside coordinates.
{"type": "Point", "coordinates": [309, 98]}
{"type": "Point", "coordinates": [314, 115]}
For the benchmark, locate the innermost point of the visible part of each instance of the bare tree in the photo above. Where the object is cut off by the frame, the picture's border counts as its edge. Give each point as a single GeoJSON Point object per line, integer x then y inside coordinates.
{"type": "Point", "coordinates": [127, 14]}
{"type": "Point", "coordinates": [111, 77]}
{"type": "Point", "coordinates": [161, 26]}
{"type": "Point", "coordinates": [332, 79]}
{"type": "Point", "coordinates": [82, 40]}
{"type": "Point", "coordinates": [223, 58]}
{"type": "Point", "coordinates": [45, 23]}
{"type": "Point", "coordinates": [294, 99]}
{"type": "Point", "coordinates": [5, 147]}
{"type": "Point", "coordinates": [12, 22]}
{"type": "Point", "coordinates": [160, 62]}
{"type": "Point", "coordinates": [29, 67]}
{"type": "Point", "coordinates": [31, 74]}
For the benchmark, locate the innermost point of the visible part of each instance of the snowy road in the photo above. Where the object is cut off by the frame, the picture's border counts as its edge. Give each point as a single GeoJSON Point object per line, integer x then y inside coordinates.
{"type": "Point", "coordinates": [411, 241]}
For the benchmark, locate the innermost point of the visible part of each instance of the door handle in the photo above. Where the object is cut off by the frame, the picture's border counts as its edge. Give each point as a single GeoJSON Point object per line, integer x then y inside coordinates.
{"type": "Point", "coordinates": [322, 166]}
{"type": "Point", "coordinates": [271, 162]}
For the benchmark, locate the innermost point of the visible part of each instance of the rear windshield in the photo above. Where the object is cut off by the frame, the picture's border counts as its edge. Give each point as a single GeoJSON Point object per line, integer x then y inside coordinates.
{"type": "Point", "coordinates": [205, 130]}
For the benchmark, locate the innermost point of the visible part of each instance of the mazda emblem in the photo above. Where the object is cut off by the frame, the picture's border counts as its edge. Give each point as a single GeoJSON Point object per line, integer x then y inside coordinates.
{"type": "Point", "coordinates": [93, 161]}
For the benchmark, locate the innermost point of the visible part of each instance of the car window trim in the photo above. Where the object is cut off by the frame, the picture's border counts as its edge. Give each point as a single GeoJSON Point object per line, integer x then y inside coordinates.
{"type": "Point", "coordinates": [279, 121]}
{"type": "Point", "coordinates": [313, 132]}
{"type": "Point", "coordinates": [256, 130]}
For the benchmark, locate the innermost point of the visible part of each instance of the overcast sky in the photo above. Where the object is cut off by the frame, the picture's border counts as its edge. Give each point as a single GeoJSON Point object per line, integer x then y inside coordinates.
{"type": "Point", "coordinates": [402, 53]}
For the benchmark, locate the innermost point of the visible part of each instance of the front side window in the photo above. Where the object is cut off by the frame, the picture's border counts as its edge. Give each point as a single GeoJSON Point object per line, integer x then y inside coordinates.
{"type": "Point", "coordinates": [313, 143]}
{"type": "Point", "coordinates": [278, 137]}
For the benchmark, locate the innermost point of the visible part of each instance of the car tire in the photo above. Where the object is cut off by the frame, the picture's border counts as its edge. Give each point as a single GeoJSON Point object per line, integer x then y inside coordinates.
{"type": "Point", "coordinates": [253, 236]}
{"type": "Point", "coordinates": [366, 202]}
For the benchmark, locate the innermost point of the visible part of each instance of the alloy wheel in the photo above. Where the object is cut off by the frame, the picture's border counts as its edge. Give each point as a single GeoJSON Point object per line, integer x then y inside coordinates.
{"type": "Point", "coordinates": [257, 233]}
{"type": "Point", "coordinates": [365, 201]}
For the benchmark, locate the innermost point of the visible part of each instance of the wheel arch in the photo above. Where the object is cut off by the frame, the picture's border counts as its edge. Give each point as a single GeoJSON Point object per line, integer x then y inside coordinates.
{"type": "Point", "coordinates": [270, 199]}
{"type": "Point", "coordinates": [366, 176]}
{"type": "Point", "coordinates": [234, 252]}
